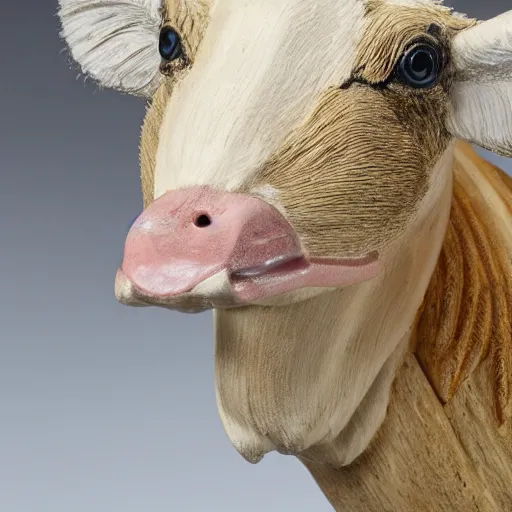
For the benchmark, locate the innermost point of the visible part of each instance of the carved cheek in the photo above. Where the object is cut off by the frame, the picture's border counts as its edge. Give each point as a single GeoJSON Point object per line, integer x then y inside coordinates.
{"type": "Point", "coordinates": [353, 176]}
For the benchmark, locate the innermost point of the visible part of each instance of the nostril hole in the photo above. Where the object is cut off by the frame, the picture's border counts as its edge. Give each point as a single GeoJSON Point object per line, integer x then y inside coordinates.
{"type": "Point", "coordinates": [202, 221]}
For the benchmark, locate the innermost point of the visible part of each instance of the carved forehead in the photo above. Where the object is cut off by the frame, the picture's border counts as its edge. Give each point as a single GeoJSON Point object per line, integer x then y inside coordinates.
{"type": "Point", "coordinates": [388, 23]}
{"type": "Point", "coordinates": [259, 71]}
{"type": "Point", "coordinates": [191, 16]}
{"type": "Point", "coordinates": [260, 68]}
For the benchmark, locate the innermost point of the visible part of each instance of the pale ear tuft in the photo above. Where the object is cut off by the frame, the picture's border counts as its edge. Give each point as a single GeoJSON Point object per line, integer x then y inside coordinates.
{"type": "Point", "coordinates": [115, 42]}
{"type": "Point", "coordinates": [481, 97]}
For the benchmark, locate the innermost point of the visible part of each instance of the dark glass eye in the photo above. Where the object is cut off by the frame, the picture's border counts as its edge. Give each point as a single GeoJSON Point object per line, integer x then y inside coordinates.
{"type": "Point", "coordinates": [169, 44]}
{"type": "Point", "coordinates": [419, 66]}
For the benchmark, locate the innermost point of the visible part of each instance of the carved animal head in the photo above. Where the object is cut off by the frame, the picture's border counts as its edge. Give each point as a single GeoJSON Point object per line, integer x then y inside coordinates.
{"type": "Point", "coordinates": [288, 144]}
{"type": "Point", "coordinates": [290, 147]}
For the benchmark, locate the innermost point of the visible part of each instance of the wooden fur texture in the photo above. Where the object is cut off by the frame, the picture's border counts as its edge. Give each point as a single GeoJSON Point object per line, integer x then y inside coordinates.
{"type": "Point", "coordinates": [334, 174]}
{"type": "Point", "coordinates": [482, 92]}
{"type": "Point", "coordinates": [469, 302]}
{"type": "Point", "coordinates": [149, 141]}
{"type": "Point", "coordinates": [447, 446]}
{"type": "Point", "coordinates": [115, 43]}
{"type": "Point", "coordinates": [390, 28]}
{"type": "Point", "coordinates": [191, 20]}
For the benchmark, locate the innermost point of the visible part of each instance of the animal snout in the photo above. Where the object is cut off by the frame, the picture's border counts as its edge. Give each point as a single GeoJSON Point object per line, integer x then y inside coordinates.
{"type": "Point", "coordinates": [188, 235]}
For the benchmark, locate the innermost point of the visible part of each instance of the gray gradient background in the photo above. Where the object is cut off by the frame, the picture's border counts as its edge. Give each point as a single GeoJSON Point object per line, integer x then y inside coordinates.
{"type": "Point", "coordinates": [102, 407]}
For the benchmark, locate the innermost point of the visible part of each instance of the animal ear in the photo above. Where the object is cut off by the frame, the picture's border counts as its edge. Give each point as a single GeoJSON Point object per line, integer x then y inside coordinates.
{"type": "Point", "coordinates": [115, 42]}
{"type": "Point", "coordinates": [481, 97]}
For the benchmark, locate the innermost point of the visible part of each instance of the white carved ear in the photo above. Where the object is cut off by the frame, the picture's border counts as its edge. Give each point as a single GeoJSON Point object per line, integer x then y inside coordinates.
{"type": "Point", "coordinates": [481, 106]}
{"type": "Point", "coordinates": [115, 41]}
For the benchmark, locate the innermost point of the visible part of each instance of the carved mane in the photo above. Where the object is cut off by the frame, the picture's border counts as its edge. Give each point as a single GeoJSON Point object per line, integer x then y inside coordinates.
{"type": "Point", "coordinates": [467, 312]}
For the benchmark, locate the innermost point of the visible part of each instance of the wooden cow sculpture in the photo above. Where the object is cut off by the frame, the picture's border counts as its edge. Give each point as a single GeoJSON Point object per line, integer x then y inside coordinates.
{"type": "Point", "coordinates": [307, 173]}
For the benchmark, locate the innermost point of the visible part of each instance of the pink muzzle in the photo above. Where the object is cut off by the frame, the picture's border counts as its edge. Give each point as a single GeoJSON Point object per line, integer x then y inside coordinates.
{"type": "Point", "coordinates": [189, 235]}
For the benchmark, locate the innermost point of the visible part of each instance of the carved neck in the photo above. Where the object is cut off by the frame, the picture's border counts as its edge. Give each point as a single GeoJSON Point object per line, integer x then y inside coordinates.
{"type": "Point", "coordinates": [461, 344]}
{"type": "Point", "coordinates": [298, 378]}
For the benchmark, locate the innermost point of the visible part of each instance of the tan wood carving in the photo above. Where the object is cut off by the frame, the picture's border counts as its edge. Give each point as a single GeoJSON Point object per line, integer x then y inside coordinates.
{"type": "Point", "coordinates": [307, 172]}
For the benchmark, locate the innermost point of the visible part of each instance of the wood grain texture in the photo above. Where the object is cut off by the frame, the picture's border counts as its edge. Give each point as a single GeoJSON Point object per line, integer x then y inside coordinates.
{"type": "Point", "coordinates": [391, 27]}
{"type": "Point", "coordinates": [468, 306]}
{"type": "Point", "coordinates": [446, 443]}
{"type": "Point", "coordinates": [414, 463]}
{"type": "Point", "coordinates": [487, 445]}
